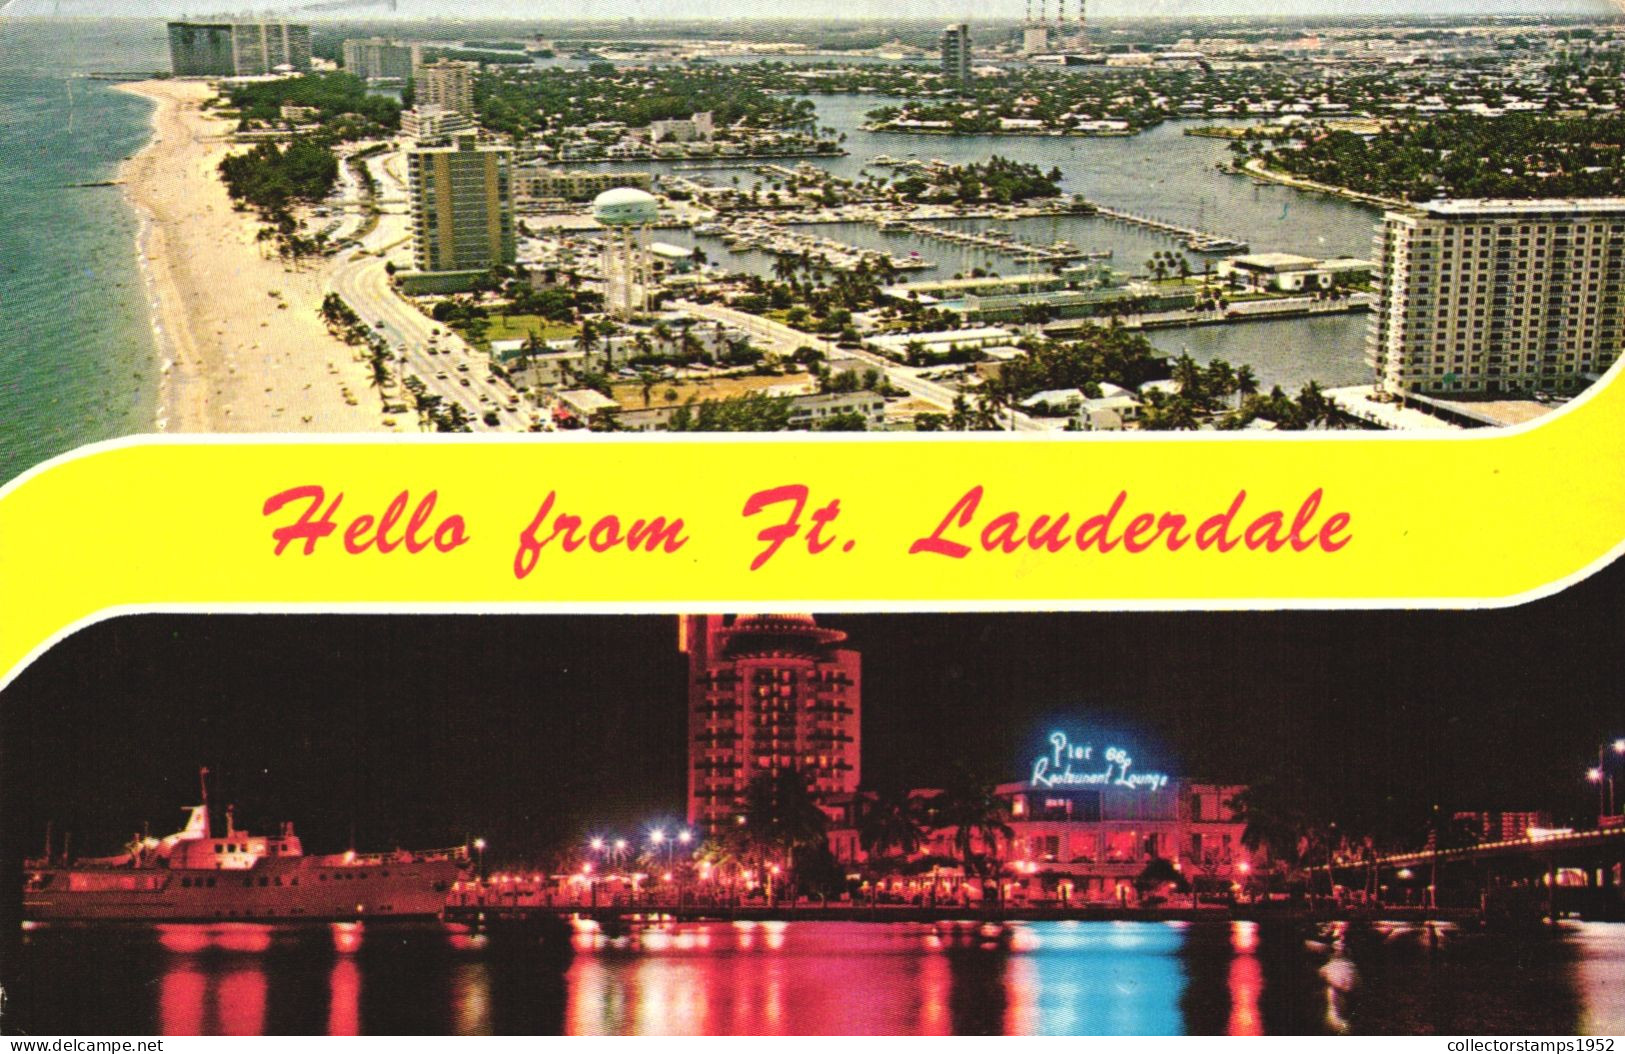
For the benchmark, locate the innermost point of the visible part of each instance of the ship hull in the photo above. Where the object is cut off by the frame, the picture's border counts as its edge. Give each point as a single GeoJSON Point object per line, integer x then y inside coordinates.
{"type": "Point", "coordinates": [274, 891]}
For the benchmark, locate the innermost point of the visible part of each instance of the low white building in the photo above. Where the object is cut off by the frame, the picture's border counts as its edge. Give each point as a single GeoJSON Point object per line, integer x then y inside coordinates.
{"type": "Point", "coordinates": [936, 345]}
{"type": "Point", "coordinates": [557, 361]}
{"type": "Point", "coordinates": [699, 127]}
{"type": "Point", "coordinates": [585, 403]}
{"type": "Point", "coordinates": [1115, 409]}
{"type": "Point", "coordinates": [433, 122]}
{"type": "Point", "coordinates": [1290, 273]}
{"type": "Point", "coordinates": [1054, 398]}
{"type": "Point", "coordinates": [807, 411]}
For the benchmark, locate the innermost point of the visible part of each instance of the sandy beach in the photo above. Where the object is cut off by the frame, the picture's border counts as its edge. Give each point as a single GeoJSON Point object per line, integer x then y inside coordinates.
{"type": "Point", "coordinates": [243, 347]}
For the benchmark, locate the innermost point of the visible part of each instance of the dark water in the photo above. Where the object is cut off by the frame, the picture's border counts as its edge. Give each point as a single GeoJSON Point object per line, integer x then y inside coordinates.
{"type": "Point", "coordinates": [791, 978]}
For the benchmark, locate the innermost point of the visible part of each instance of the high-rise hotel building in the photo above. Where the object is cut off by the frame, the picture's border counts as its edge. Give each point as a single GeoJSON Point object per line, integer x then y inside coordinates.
{"type": "Point", "coordinates": [380, 59]}
{"type": "Point", "coordinates": [956, 52]}
{"type": "Point", "coordinates": [246, 48]}
{"type": "Point", "coordinates": [1486, 298]}
{"type": "Point", "coordinates": [767, 693]}
{"type": "Point", "coordinates": [445, 83]}
{"type": "Point", "coordinates": [462, 205]}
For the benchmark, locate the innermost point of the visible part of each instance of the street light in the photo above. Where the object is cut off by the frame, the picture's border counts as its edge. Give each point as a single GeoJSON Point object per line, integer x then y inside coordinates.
{"type": "Point", "coordinates": [479, 847]}
{"type": "Point", "coordinates": [1604, 787]}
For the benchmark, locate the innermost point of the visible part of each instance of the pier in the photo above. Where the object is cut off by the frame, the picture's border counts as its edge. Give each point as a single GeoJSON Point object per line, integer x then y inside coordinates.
{"type": "Point", "coordinates": [1060, 252]}
{"type": "Point", "coordinates": [1195, 240]}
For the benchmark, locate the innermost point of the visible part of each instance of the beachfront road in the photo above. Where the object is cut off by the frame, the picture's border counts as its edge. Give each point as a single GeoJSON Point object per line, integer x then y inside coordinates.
{"type": "Point", "coordinates": [784, 340]}
{"type": "Point", "coordinates": [362, 279]}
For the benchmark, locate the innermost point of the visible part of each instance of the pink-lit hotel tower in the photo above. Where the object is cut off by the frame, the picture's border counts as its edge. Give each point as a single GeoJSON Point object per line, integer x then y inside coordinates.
{"type": "Point", "coordinates": [767, 693]}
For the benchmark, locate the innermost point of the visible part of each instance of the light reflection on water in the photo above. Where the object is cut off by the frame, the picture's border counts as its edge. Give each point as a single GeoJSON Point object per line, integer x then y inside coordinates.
{"type": "Point", "coordinates": [1146, 978]}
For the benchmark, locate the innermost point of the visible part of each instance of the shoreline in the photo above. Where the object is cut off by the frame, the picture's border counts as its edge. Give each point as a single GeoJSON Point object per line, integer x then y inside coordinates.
{"type": "Point", "coordinates": [239, 343]}
{"type": "Point", "coordinates": [1258, 169]}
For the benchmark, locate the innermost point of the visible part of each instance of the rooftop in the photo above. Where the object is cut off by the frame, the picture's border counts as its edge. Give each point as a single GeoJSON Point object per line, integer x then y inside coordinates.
{"type": "Point", "coordinates": [1511, 207]}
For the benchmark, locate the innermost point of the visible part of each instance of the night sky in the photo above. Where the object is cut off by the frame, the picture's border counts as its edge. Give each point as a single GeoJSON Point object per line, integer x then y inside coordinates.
{"type": "Point", "coordinates": [536, 731]}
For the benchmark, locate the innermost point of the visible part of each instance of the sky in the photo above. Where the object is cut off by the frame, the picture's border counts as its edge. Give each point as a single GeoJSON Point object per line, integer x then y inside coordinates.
{"type": "Point", "coordinates": [929, 10]}
{"type": "Point", "coordinates": [539, 731]}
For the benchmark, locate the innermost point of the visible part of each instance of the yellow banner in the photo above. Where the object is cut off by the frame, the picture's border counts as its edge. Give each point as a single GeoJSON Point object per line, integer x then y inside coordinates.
{"type": "Point", "coordinates": [621, 523]}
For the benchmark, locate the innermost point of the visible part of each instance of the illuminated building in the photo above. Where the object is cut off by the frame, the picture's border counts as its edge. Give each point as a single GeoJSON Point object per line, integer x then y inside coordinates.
{"type": "Point", "coordinates": [767, 693]}
{"type": "Point", "coordinates": [1087, 819]}
{"type": "Point", "coordinates": [1498, 826]}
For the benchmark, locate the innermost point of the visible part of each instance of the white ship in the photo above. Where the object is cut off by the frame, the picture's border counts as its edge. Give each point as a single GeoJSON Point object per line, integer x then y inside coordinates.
{"type": "Point", "coordinates": [193, 876]}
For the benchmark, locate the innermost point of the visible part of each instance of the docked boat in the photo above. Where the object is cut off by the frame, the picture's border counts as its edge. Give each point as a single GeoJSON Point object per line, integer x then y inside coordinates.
{"type": "Point", "coordinates": [194, 876]}
{"type": "Point", "coordinates": [1214, 244]}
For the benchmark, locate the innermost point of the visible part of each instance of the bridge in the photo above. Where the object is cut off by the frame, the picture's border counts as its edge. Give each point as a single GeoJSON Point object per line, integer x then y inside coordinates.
{"type": "Point", "coordinates": [1568, 872]}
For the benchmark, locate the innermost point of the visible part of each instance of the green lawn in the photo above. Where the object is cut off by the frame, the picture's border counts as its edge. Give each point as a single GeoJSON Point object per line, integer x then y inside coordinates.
{"type": "Point", "coordinates": [518, 327]}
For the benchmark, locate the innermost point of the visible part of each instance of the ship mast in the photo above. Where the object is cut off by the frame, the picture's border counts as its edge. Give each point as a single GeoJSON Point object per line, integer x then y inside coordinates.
{"type": "Point", "coordinates": [203, 782]}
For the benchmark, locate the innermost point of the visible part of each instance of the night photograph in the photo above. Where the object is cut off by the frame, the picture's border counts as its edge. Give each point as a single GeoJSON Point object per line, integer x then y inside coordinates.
{"type": "Point", "coordinates": [1209, 823]}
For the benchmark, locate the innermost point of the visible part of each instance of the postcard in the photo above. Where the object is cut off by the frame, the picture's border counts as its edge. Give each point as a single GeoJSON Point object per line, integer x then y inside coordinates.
{"type": "Point", "coordinates": [1186, 440]}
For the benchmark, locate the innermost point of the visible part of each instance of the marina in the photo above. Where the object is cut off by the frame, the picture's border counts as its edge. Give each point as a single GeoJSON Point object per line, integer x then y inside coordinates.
{"type": "Point", "coordinates": [1057, 252]}
{"type": "Point", "coordinates": [1195, 240]}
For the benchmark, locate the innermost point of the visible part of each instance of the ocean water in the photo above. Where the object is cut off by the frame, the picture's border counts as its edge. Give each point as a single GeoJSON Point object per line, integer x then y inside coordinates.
{"type": "Point", "coordinates": [77, 359]}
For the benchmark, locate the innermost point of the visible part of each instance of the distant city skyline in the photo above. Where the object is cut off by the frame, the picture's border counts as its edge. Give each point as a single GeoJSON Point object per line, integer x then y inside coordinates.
{"type": "Point", "coordinates": [875, 10]}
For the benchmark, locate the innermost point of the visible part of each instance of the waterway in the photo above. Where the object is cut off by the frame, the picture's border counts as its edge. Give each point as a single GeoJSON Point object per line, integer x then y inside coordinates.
{"type": "Point", "coordinates": [1162, 173]}
{"type": "Point", "coordinates": [1140, 978]}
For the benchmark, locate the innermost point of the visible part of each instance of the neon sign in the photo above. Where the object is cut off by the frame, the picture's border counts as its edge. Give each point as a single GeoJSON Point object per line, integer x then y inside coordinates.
{"type": "Point", "coordinates": [1056, 768]}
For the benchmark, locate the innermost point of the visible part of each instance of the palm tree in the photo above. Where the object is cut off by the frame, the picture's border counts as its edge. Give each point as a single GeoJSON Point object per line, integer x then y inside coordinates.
{"type": "Point", "coordinates": [531, 346]}
{"type": "Point", "coordinates": [1277, 820]}
{"type": "Point", "coordinates": [781, 817]}
{"type": "Point", "coordinates": [977, 816]}
{"type": "Point", "coordinates": [1246, 380]}
{"type": "Point", "coordinates": [647, 379]}
{"type": "Point", "coordinates": [893, 821]}
{"type": "Point", "coordinates": [1315, 408]}
{"type": "Point", "coordinates": [587, 339]}
{"type": "Point", "coordinates": [1188, 375]}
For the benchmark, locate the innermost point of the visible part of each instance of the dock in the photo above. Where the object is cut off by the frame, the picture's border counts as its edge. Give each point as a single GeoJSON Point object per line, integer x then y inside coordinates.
{"type": "Point", "coordinates": [1008, 244]}
{"type": "Point", "coordinates": [1198, 241]}
{"type": "Point", "coordinates": [619, 917]}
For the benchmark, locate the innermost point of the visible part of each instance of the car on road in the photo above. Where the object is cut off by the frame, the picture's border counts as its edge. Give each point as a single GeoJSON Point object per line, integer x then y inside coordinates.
{"type": "Point", "coordinates": [462, 367]}
{"type": "Point", "coordinates": [440, 376]}
{"type": "Point", "coordinates": [466, 382]}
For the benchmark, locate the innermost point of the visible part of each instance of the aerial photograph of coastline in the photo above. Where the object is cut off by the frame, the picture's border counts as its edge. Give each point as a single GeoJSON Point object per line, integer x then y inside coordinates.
{"type": "Point", "coordinates": [1024, 824]}
{"type": "Point", "coordinates": [381, 216]}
